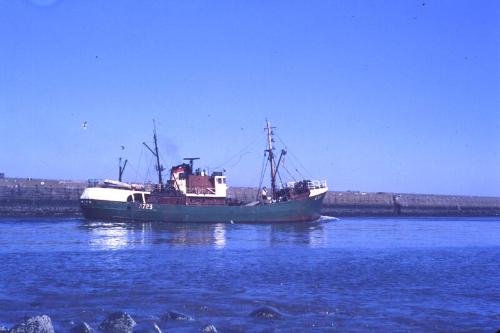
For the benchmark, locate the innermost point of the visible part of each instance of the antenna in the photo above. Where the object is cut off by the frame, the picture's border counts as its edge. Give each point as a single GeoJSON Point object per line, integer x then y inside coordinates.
{"type": "Point", "coordinates": [191, 159]}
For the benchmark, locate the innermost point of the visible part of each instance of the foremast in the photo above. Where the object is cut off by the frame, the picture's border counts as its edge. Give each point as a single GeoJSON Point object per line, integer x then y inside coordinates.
{"type": "Point", "coordinates": [121, 168]}
{"type": "Point", "coordinates": [156, 154]}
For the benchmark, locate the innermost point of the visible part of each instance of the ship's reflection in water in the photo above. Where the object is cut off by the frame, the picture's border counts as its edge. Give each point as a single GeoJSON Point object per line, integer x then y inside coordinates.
{"type": "Point", "coordinates": [122, 235]}
{"type": "Point", "coordinates": [110, 236]}
{"type": "Point", "coordinates": [106, 235]}
{"type": "Point", "coordinates": [219, 236]}
{"type": "Point", "coordinates": [311, 234]}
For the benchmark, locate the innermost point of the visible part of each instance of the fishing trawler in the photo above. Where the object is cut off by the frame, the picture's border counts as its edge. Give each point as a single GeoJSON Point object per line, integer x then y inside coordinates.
{"type": "Point", "coordinates": [192, 196]}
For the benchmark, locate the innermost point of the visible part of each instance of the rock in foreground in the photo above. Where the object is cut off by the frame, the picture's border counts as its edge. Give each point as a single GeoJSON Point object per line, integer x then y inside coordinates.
{"type": "Point", "coordinates": [83, 327]}
{"type": "Point", "coordinates": [174, 315]}
{"type": "Point", "coordinates": [37, 324]}
{"type": "Point", "coordinates": [266, 312]}
{"type": "Point", "coordinates": [147, 328]}
{"type": "Point", "coordinates": [118, 322]}
{"type": "Point", "coordinates": [209, 329]}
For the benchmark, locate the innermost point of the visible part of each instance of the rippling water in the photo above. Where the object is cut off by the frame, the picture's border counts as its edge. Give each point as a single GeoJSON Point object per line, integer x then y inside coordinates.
{"type": "Point", "coordinates": [352, 274]}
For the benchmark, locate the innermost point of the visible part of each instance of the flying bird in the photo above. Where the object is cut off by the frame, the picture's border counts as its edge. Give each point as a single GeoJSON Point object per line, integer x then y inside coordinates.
{"type": "Point", "coordinates": [84, 125]}
{"type": "Point", "coordinates": [122, 147]}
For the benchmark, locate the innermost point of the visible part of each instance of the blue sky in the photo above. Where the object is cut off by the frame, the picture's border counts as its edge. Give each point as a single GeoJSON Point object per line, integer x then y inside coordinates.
{"type": "Point", "coordinates": [371, 95]}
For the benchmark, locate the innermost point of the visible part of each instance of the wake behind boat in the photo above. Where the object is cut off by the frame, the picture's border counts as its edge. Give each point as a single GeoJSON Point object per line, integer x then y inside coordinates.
{"type": "Point", "coordinates": [192, 196]}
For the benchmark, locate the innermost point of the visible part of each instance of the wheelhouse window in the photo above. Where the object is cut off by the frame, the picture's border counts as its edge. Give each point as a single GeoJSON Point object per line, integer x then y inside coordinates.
{"type": "Point", "coordinates": [130, 199]}
{"type": "Point", "coordinates": [138, 197]}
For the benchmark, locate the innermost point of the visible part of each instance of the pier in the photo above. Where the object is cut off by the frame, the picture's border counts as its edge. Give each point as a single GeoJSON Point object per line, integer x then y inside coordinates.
{"type": "Point", "coordinates": [46, 197]}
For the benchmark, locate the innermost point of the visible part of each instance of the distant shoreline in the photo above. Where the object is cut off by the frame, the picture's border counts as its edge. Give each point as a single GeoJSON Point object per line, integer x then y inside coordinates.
{"type": "Point", "coordinates": [23, 197]}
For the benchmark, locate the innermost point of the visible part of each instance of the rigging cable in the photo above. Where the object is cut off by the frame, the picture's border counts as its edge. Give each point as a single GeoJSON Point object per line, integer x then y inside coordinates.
{"type": "Point", "coordinates": [296, 160]}
{"type": "Point", "coordinates": [289, 173]}
{"type": "Point", "coordinates": [263, 171]}
{"type": "Point", "coordinates": [104, 174]}
{"type": "Point", "coordinates": [239, 154]}
{"type": "Point", "coordinates": [139, 164]}
{"type": "Point", "coordinates": [297, 169]}
{"type": "Point", "coordinates": [148, 169]}
{"type": "Point", "coordinates": [279, 176]}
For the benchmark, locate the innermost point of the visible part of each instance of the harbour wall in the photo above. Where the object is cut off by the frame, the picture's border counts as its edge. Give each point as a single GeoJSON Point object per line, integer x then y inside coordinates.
{"type": "Point", "coordinates": [40, 197]}
{"type": "Point", "coordinates": [356, 203]}
{"type": "Point", "coordinates": [45, 197]}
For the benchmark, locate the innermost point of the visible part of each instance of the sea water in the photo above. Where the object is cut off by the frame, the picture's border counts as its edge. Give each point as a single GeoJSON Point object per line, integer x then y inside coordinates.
{"type": "Point", "coordinates": [351, 274]}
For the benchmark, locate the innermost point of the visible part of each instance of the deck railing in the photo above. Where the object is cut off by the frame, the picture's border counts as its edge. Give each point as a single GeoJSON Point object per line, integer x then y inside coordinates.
{"type": "Point", "coordinates": [311, 184]}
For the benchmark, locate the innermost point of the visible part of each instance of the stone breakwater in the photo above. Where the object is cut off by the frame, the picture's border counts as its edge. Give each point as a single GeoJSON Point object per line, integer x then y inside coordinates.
{"type": "Point", "coordinates": [355, 203]}
{"type": "Point", "coordinates": [42, 197]}
{"type": "Point", "coordinates": [117, 322]}
{"type": "Point", "coordinates": [122, 322]}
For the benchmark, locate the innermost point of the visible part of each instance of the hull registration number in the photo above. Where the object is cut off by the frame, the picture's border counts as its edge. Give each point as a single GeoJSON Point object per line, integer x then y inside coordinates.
{"type": "Point", "coordinates": [146, 206]}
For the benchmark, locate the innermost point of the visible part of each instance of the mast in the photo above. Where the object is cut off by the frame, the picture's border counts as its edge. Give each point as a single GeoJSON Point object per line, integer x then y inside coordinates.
{"type": "Point", "coordinates": [155, 153]}
{"type": "Point", "coordinates": [270, 156]}
{"type": "Point", "coordinates": [121, 168]}
{"type": "Point", "coordinates": [159, 167]}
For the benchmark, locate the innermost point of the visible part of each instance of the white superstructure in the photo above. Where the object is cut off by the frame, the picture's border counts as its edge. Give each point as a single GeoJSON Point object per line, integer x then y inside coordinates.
{"type": "Point", "coordinates": [114, 194]}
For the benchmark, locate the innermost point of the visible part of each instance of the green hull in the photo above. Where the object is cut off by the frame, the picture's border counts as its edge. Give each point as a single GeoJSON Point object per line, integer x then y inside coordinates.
{"type": "Point", "coordinates": [307, 209]}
